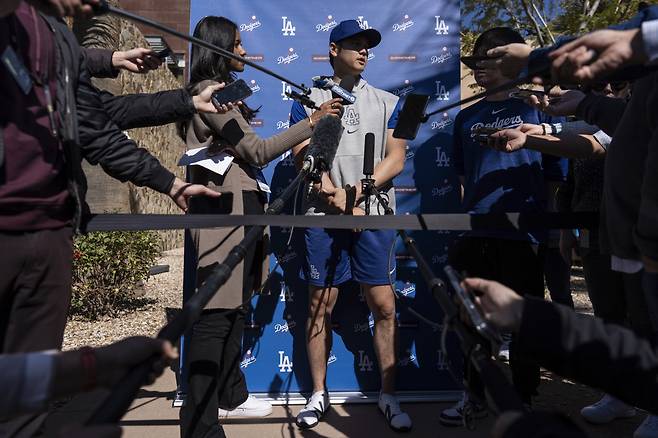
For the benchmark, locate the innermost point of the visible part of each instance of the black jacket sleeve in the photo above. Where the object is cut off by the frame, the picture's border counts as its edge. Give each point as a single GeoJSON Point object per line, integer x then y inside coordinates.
{"type": "Point", "coordinates": [102, 142]}
{"type": "Point", "coordinates": [140, 110]}
{"type": "Point", "coordinates": [604, 112]}
{"type": "Point", "coordinates": [583, 348]}
{"type": "Point", "coordinates": [99, 63]}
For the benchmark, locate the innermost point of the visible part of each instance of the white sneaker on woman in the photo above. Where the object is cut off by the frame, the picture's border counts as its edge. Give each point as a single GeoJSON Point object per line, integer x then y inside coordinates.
{"type": "Point", "coordinates": [252, 407]}
{"type": "Point", "coordinates": [606, 410]}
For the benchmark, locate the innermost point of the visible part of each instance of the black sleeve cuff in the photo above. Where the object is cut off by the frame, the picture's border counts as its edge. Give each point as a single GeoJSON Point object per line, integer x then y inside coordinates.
{"type": "Point", "coordinates": [161, 180]}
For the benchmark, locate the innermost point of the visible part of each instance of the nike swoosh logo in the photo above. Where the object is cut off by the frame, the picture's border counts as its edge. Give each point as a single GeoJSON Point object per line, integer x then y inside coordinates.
{"type": "Point", "coordinates": [493, 113]}
{"type": "Point", "coordinates": [351, 132]}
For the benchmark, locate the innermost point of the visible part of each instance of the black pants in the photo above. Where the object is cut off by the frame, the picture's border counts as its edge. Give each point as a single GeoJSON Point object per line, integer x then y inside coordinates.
{"type": "Point", "coordinates": [213, 361]}
{"type": "Point", "coordinates": [35, 293]}
{"type": "Point", "coordinates": [517, 265]}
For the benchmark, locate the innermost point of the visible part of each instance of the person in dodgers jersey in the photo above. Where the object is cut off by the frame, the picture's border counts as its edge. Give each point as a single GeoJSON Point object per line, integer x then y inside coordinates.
{"type": "Point", "coordinates": [496, 182]}
{"type": "Point", "coordinates": [335, 256]}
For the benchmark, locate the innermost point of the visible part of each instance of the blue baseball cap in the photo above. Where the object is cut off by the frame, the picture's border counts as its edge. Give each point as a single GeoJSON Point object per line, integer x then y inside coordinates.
{"type": "Point", "coordinates": [350, 28]}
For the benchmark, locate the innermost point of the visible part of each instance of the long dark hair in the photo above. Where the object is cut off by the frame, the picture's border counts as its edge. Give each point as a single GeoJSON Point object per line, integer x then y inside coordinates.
{"type": "Point", "coordinates": [206, 64]}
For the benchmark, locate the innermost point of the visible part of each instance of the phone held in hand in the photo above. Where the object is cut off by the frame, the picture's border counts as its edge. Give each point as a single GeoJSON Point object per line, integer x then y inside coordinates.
{"type": "Point", "coordinates": [482, 133]}
{"type": "Point", "coordinates": [163, 54]}
{"type": "Point", "coordinates": [411, 116]}
{"type": "Point", "coordinates": [525, 93]}
{"type": "Point", "coordinates": [465, 298]}
{"type": "Point", "coordinates": [232, 93]}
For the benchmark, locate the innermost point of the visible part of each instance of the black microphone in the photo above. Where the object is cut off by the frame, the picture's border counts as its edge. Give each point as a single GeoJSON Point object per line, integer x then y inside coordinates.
{"type": "Point", "coordinates": [322, 148]}
{"type": "Point", "coordinates": [369, 154]}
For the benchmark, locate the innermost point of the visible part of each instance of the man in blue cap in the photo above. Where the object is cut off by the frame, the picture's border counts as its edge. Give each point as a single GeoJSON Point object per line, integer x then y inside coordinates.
{"type": "Point", "coordinates": [334, 257]}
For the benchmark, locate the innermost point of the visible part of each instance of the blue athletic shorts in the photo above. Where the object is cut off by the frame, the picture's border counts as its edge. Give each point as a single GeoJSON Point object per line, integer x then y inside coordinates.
{"type": "Point", "coordinates": [336, 256]}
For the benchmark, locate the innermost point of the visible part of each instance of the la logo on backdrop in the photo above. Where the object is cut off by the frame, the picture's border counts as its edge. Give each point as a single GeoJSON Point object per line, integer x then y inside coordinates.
{"type": "Point", "coordinates": [419, 53]}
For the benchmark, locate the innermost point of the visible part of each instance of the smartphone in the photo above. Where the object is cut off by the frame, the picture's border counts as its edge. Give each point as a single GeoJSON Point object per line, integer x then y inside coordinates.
{"type": "Point", "coordinates": [482, 134]}
{"type": "Point", "coordinates": [208, 205]}
{"type": "Point", "coordinates": [233, 92]}
{"type": "Point", "coordinates": [411, 116]}
{"type": "Point", "coordinates": [162, 54]}
{"type": "Point", "coordinates": [526, 93]}
{"type": "Point", "coordinates": [465, 298]}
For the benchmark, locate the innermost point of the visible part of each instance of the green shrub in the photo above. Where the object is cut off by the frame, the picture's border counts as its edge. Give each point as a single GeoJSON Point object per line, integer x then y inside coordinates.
{"type": "Point", "coordinates": [107, 266]}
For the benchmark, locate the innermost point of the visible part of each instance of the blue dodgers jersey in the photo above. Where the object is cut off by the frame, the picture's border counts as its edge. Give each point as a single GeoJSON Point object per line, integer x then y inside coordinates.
{"type": "Point", "coordinates": [498, 181]}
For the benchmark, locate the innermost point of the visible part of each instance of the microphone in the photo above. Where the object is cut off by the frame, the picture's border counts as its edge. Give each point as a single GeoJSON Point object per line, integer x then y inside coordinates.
{"type": "Point", "coordinates": [369, 154]}
{"type": "Point", "coordinates": [343, 91]}
{"type": "Point", "coordinates": [322, 148]}
{"type": "Point", "coordinates": [368, 169]}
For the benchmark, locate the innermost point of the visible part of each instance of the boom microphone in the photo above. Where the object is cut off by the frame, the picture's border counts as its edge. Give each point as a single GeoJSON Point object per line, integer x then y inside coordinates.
{"type": "Point", "coordinates": [324, 144]}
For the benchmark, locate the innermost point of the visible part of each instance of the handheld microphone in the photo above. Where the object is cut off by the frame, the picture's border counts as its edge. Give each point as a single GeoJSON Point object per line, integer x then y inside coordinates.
{"type": "Point", "coordinates": [343, 91]}
{"type": "Point", "coordinates": [368, 169]}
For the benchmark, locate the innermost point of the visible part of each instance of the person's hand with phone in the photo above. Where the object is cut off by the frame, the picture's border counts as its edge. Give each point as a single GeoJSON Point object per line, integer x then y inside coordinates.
{"type": "Point", "coordinates": [498, 304]}
{"type": "Point", "coordinates": [203, 101]}
{"type": "Point", "coordinates": [138, 60]}
{"type": "Point", "coordinates": [508, 140]}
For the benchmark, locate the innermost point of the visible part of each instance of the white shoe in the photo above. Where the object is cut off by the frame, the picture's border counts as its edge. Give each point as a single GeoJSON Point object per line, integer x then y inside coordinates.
{"type": "Point", "coordinates": [397, 420]}
{"type": "Point", "coordinates": [315, 408]}
{"type": "Point", "coordinates": [606, 410]}
{"type": "Point", "coordinates": [252, 407]}
{"type": "Point", "coordinates": [648, 428]}
{"type": "Point", "coordinates": [454, 416]}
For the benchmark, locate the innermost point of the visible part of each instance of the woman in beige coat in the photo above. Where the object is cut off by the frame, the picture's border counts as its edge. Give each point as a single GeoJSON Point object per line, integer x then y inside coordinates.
{"type": "Point", "coordinates": [215, 379]}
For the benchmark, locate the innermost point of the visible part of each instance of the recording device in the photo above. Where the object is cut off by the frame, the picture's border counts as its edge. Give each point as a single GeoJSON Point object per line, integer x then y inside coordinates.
{"type": "Point", "coordinates": [163, 54]}
{"type": "Point", "coordinates": [466, 301]}
{"type": "Point", "coordinates": [523, 94]}
{"type": "Point", "coordinates": [321, 150]}
{"type": "Point", "coordinates": [208, 205]}
{"type": "Point", "coordinates": [343, 91]}
{"type": "Point", "coordinates": [233, 92]}
{"type": "Point", "coordinates": [411, 116]}
{"type": "Point", "coordinates": [482, 133]}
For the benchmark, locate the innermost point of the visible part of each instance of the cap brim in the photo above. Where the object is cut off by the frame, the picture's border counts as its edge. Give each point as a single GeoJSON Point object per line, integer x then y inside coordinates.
{"type": "Point", "coordinates": [373, 36]}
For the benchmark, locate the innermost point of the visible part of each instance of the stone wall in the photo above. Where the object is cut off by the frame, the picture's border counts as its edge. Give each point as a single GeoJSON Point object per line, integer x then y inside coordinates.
{"type": "Point", "coordinates": [105, 193]}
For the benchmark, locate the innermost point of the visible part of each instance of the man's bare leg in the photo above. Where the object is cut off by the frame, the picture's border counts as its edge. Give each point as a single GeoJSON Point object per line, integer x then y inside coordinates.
{"type": "Point", "coordinates": [318, 333]}
{"type": "Point", "coordinates": [381, 302]}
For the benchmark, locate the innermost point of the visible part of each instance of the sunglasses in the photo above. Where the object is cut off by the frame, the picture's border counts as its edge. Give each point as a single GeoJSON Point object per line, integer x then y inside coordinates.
{"type": "Point", "coordinates": [614, 86]}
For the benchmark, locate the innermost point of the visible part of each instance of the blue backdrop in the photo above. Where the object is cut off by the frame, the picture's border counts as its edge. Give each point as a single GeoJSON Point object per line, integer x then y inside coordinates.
{"type": "Point", "coordinates": [419, 53]}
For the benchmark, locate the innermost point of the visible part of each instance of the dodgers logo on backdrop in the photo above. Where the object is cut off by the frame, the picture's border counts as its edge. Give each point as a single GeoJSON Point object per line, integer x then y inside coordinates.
{"type": "Point", "coordinates": [410, 153]}
{"type": "Point", "coordinates": [285, 364]}
{"type": "Point", "coordinates": [407, 290]}
{"type": "Point", "coordinates": [363, 24]}
{"type": "Point", "coordinates": [288, 29]}
{"type": "Point", "coordinates": [441, 92]}
{"type": "Point", "coordinates": [287, 159]}
{"type": "Point", "coordinates": [365, 364]}
{"type": "Point", "coordinates": [326, 27]}
{"type": "Point", "coordinates": [247, 359]}
{"type": "Point", "coordinates": [440, 259]}
{"type": "Point", "coordinates": [361, 327]}
{"type": "Point", "coordinates": [442, 159]}
{"type": "Point", "coordinates": [440, 192]}
{"type": "Point", "coordinates": [351, 117]}
{"type": "Point", "coordinates": [443, 57]}
{"type": "Point", "coordinates": [285, 294]}
{"type": "Point", "coordinates": [255, 88]}
{"type": "Point", "coordinates": [285, 327]}
{"type": "Point", "coordinates": [441, 28]}
{"type": "Point", "coordinates": [283, 124]}
{"type": "Point", "coordinates": [404, 25]}
{"type": "Point", "coordinates": [249, 27]}
{"type": "Point", "coordinates": [332, 358]}
{"type": "Point", "coordinates": [285, 89]}
{"type": "Point", "coordinates": [405, 89]}
{"type": "Point", "coordinates": [443, 124]}
{"type": "Point", "coordinates": [408, 359]}
{"type": "Point", "coordinates": [292, 56]}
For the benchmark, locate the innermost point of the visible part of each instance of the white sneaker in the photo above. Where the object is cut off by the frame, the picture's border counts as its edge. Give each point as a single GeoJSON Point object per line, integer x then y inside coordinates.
{"type": "Point", "coordinates": [315, 408]}
{"type": "Point", "coordinates": [454, 416]}
{"type": "Point", "coordinates": [252, 407]}
{"type": "Point", "coordinates": [606, 410]}
{"type": "Point", "coordinates": [648, 428]}
{"type": "Point", "coordinates": [389, 406]}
